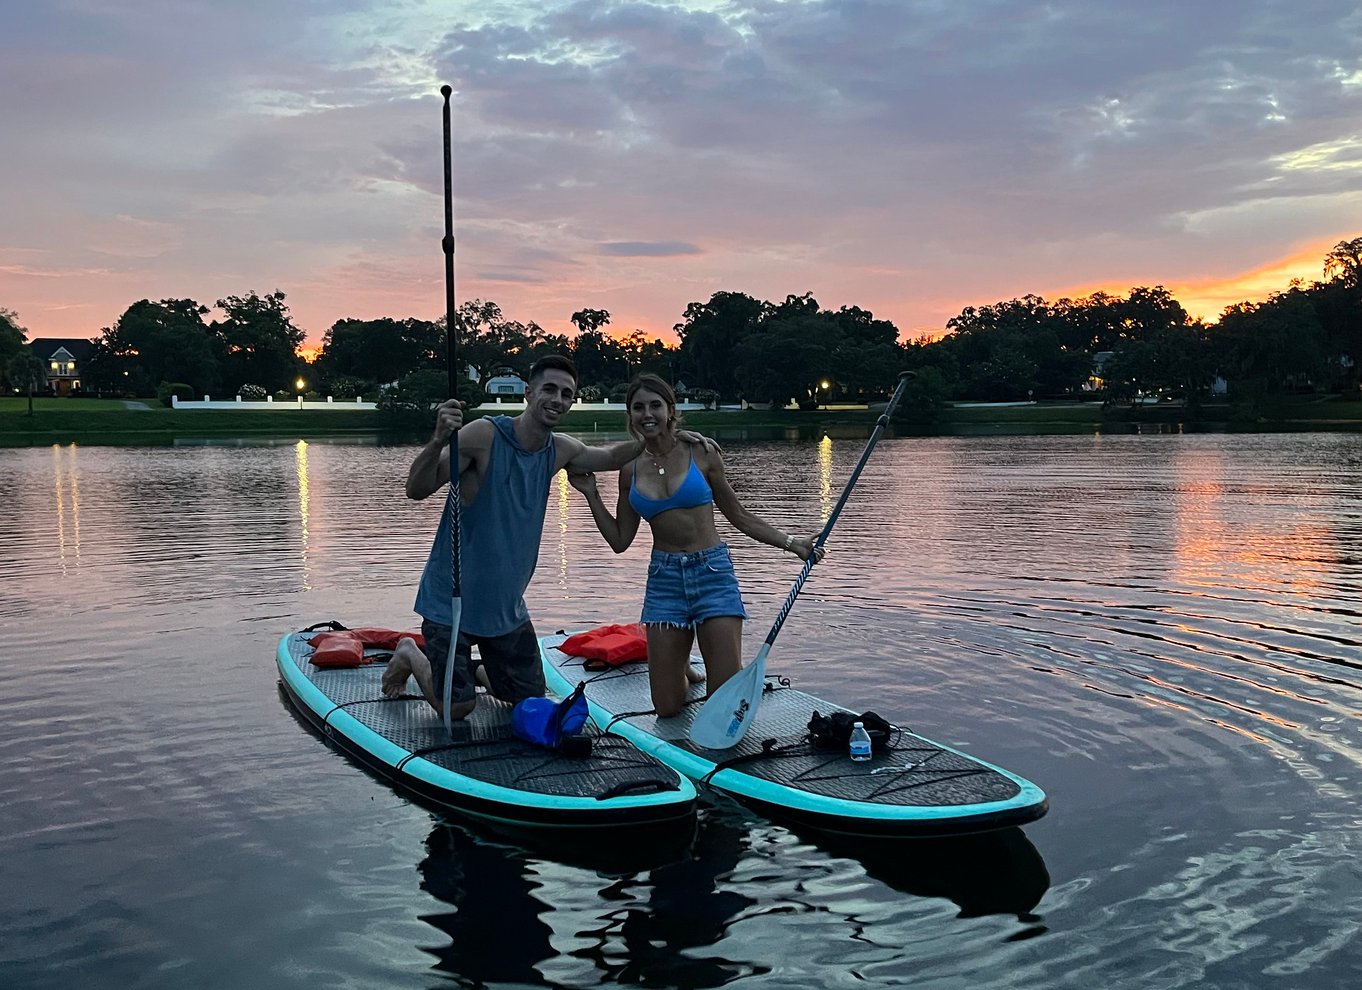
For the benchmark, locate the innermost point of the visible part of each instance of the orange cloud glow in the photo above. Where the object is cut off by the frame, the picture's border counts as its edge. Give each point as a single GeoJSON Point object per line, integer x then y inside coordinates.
{"type": "Point", "coordinates": [1206, 298]}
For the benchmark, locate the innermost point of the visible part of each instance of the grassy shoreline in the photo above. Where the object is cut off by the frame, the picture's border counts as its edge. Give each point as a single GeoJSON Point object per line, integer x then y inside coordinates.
{"type": "Point", "coordinates": [96, 422]}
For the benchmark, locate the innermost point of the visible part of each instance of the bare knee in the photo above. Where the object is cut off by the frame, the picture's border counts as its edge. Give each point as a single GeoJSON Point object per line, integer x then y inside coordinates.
{"type": "Point", "coordinates": [666, 710]}
{"type": "Point", "coordinates": [669, 694]}
{"type": "Point", "coordinates": [458, 710]}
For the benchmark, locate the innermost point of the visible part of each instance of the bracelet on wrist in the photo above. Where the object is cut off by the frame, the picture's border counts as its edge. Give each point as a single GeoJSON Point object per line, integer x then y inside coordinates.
{"type": "Point", "coordinates": [789, 542]}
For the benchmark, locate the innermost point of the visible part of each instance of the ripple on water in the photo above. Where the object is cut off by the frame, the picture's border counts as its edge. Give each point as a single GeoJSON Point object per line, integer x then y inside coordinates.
{"type": "Point", "coordinates": [1161, 631]}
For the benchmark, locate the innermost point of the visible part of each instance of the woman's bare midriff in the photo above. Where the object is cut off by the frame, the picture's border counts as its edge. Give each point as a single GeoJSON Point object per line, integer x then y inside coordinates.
{"type": "Point", "coordinates": [685, 530]}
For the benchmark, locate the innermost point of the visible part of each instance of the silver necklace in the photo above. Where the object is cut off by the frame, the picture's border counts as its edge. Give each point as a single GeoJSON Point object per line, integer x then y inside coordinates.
{"type": "Point", "coordinates": [653, 457]}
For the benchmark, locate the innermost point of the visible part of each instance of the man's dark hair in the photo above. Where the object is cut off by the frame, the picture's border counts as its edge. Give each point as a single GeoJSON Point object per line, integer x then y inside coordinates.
{"type": "Point", "coordinates": [553, 362]}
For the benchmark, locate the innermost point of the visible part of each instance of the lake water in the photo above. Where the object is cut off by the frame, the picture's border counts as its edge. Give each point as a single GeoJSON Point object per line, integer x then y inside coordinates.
{"type": "Point", "coordinates": [1163, 632]}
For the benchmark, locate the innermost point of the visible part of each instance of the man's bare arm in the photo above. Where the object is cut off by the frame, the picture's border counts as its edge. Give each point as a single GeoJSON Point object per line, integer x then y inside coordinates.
{"type": "Point", "coordinates": [429, 471]}
{"type": "Point", "coordinates": [578, 458]}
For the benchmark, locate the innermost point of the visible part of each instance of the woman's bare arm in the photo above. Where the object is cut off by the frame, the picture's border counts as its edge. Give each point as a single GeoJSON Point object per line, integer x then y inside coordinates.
{"type": "Point", "coordinates": [748, 523]}
{"type": "Point", "coordinates": [619, 530]}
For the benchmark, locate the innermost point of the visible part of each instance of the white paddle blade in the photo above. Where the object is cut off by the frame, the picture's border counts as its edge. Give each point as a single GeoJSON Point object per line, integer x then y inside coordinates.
{"type": "Point", "coordinates": [730, 711]}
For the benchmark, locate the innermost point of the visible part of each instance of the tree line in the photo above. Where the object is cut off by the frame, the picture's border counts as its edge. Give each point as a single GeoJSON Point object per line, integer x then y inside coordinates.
{"type": "Point", "coordinates": [1305, 338]}
{"type": "Point", "coordinates": [734, 346]}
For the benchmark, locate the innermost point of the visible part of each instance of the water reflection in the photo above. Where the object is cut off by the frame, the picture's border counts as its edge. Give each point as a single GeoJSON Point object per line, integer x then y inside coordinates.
{"type": "Point", "coordinates": [496, 933]}
{"type": "Point", "coordinates": [990, 873]}
{"type": "Point", "coordinates": [824, 477]}
{"type": "Point", "coordinates": [303, 490]}
{"type": "Point", "coordinates": [564, 520]}
{"type": "Point", "coordinates": [652, 939]}
{"type": "Point", "coordinates": [1164, 632]}
{"type": "Point", "coordinates": [66, 491]}
{"type": "Point", "coordinates": [678, 921]}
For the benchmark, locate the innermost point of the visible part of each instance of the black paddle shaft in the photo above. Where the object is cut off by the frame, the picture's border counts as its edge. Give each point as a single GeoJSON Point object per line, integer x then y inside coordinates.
{"type": "Point", "coordinates": [451, 337]}
{"type": "Point", "coordinates": [452, 497]}
{"type": "Point", "coordinates": [880, 424]}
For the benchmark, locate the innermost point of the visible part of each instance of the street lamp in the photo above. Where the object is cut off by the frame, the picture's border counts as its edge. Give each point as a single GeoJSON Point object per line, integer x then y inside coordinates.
{"type": "Point", "coordinates": [825, 385]}
{"type": "Point", "coordinates": [300, 385]}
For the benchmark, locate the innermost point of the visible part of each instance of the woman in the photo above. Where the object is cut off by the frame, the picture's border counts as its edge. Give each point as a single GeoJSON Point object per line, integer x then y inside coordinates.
{"type": "Point", "coordinates": [692, 591]}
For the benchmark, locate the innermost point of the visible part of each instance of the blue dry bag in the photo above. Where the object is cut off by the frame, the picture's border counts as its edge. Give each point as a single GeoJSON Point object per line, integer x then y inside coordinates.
{"type": "Point", "coordinates": [554, 724]}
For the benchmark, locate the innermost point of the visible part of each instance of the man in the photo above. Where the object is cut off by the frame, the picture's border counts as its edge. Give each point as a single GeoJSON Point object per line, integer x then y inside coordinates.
{"type": "Point", "coordinates": [505, 467]}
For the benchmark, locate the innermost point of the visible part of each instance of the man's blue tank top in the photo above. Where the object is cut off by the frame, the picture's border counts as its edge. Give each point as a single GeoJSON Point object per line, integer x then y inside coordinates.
{"type": "Point", "coordinates": [500, 540]}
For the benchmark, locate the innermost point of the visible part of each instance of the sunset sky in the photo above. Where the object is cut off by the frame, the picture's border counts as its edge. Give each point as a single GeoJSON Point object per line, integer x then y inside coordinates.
{"type": "Point", "coordinates": [908, 157]}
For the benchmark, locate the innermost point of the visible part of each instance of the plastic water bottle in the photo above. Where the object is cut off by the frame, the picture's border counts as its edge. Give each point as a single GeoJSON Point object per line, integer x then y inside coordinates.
{"type": "Point", "coordinates": [860, 743]}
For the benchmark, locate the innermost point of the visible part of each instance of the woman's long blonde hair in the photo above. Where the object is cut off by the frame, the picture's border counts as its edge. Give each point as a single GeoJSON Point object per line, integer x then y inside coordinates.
{"type": "Point", "coordinates": [652, 383]}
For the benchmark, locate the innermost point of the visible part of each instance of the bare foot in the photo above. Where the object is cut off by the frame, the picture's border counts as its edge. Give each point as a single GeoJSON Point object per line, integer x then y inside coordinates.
{"type": "Point", "coordinates": [394, 681]}
{"type": "Point", "coordinates": [694, 675]}
{"type": "Point", "coordinates": [408, 660]}
{"type": "Point", "coordinates": [420, 669]}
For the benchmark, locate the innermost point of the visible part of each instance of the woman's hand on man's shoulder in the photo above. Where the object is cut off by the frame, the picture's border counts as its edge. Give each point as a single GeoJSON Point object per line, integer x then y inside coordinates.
{"type": "Point", "coordinates": [691, 437]}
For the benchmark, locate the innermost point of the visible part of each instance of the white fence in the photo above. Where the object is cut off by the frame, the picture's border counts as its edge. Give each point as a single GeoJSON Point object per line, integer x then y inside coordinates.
{"type": "Point", "coordinates": [514, 405]}
{"type": "Point", "coordinates": [493, 404]}
{"type": "Point", "coordinates": [300, 403]}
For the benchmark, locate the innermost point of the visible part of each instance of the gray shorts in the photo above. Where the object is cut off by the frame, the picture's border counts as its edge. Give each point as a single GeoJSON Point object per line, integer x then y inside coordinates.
{"type": "Point", "coordinates": [511, 661]}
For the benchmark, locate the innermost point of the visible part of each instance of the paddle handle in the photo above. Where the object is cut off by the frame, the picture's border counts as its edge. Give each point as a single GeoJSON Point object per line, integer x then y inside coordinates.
{"type": "Point", "coordinates": [822, 537]}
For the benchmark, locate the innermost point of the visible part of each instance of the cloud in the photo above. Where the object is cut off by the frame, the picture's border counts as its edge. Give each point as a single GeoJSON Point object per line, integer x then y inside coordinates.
{"type": "Point", "coordinates": [908, 158]}
{"type": "Point", "coordinates": [646, 249]}
{"type": "Point", "coordinates": [511, 277]}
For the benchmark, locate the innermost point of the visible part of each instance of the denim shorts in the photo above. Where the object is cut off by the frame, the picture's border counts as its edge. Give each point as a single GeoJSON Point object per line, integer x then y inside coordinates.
{"type": "Point", "coordinates": [686, 589]}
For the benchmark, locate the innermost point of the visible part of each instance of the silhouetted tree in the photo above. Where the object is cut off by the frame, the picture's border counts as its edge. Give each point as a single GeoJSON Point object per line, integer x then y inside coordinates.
{"type": "Point", "coordinates": [490, 342]}
{"type": "Point", "coordinates": [27, 371]}
{"type": "Point", "coordinates": [377, 352]}
{"type": "Point", "coordinates": [1272, 346]}
{"type": "Point", "coordinates": [600, 359]}
{"type": "Point", "coordinates": [1338, 304]}
{"type": "Point", "coordinates": [710, 333]}
{"type": "Point", "coordinates": [259, 342]}
{"type": "Point", "coordinates": [12, 337]}
{"type": "Point", "coordinates": [153, 343]}
{"type": "Point", "coordinates": [587, 320]}
{"type": "Point", "coordinates": [924, 398]}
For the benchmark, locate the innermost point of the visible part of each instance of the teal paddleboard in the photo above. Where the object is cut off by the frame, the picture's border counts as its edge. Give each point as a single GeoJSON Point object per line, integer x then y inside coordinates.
{"type": "Point", "coordinates": [914, 787]}
{"type": "Point", "coordinates": [482, 770]}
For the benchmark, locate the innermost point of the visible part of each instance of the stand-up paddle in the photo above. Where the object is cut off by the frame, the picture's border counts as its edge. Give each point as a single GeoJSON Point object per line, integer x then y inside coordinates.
{"type": "Point", "coordinates": [452, 499]}
{"type": "Point", "coordinates": [726, 714]}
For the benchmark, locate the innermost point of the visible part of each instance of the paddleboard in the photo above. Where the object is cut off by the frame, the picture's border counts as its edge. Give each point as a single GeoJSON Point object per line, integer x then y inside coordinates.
{"type": "Point", "coordinates": [483, 770]}
{"type": "Point", "coordinates": [916, 787]}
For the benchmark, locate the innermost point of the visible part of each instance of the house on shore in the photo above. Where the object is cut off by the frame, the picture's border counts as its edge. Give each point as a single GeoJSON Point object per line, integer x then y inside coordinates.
{"type": "Point", "coordinates": [506, 385]}
{"type": "Point", "coordinates": [64, 358]}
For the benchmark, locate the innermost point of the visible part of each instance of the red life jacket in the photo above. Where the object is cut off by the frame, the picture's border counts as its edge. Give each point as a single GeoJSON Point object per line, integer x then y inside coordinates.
{"type": "Point", "coordinates": [385, 639]}
{"type": "Point", "coordinates": [608, 646]}
{"type": "Point", "coordinates": [345, 647]}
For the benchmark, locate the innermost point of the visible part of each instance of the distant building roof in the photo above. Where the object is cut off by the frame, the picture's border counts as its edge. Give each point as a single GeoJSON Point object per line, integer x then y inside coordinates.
{"type": "Point", "coordinates": [505, 385]}
{"type": "Point", "coordinates": [77, 347]}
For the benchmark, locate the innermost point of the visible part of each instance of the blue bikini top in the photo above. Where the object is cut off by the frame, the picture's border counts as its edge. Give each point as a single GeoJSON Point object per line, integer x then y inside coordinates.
{"type": "Point", "coordinates": [694, 491]}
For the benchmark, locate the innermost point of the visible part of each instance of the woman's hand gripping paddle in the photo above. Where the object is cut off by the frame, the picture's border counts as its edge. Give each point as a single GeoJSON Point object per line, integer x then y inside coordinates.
{"type": "Point", "coordinates": [452, 499]}
{"type": "Point", "coordinates": [728, 713]}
